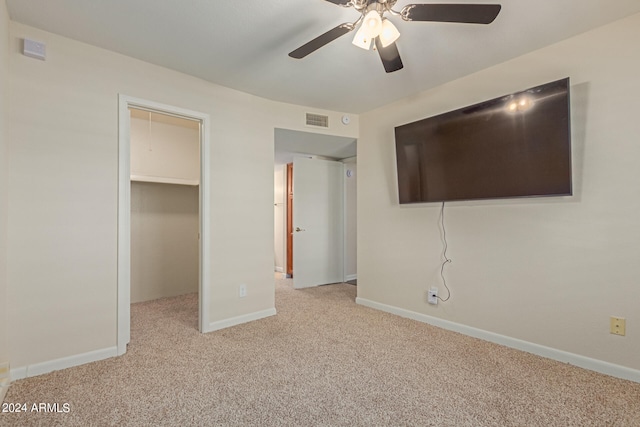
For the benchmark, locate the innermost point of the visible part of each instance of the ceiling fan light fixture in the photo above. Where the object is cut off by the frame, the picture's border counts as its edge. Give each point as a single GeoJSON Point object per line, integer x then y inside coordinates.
{"type": "Point", "coordinates": [362, 39]}
{"type": "Point", "coordinates": [389, 33]}
{"type": "Point", "coordinates": [372, 24]}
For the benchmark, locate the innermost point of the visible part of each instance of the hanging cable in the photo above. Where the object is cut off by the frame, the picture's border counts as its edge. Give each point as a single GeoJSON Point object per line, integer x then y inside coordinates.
{"type": "Point", "coordinates": [444, 252]}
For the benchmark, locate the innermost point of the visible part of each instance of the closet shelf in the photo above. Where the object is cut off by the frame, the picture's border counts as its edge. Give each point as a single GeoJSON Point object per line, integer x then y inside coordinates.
{"type": "Point", "coordinates": [165, 180]}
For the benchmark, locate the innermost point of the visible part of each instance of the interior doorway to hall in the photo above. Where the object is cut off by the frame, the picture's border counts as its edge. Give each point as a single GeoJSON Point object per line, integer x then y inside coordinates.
{"type": "Point", "coordinates": [315, 220]}
{"type": "Point", "coordinates": [163, 240]}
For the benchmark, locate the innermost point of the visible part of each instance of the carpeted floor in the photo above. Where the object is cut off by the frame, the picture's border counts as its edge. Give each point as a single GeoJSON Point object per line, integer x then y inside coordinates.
{"type": "Point", "coordinates": [322, 361]}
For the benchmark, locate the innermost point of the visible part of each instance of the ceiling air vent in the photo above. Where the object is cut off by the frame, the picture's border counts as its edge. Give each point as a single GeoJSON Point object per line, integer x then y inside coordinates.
{"type": "Point", "coordinates": [317, 120]}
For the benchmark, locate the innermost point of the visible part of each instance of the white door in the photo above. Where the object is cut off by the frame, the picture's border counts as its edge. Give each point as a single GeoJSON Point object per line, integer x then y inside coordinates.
{"type": "Point", "coordinates": [318, 222]}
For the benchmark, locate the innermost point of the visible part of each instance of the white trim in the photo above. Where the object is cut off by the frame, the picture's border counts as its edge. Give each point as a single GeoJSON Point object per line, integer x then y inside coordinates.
{"type": "Point", "coordinates": [124, 212]}
{"type": "Point", "coordinates": [344, 223]}
{"type": "Point", "coordinates": [205, 216]}
{"type": "Point", "coordinates": [124, 227]}
{"type": "Point", "coordinates": [350, 277]}
{"type": "Point", "coordinates": [285, 258]}
{"type": "Point", "coordinates": [596, 365]}
{"type": "Point", "coordinates": [18, 373]}
{"type": "Point", "coordinates": [4, 387]}
{"type": "Point", "coordinates": [63, 363]}
{"type": "Point", "coordinates": [279, 269]}
{"type": "Point", "coordinates": [164, 180]}
{"type": "Point", "coordinates": [245, 318]}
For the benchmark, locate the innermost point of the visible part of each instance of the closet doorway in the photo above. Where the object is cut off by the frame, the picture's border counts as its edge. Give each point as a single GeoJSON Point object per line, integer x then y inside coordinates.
{"type": "Point", "coordinates": [165, 176]}
{"type": "Point", "coordinates": [162, 238]}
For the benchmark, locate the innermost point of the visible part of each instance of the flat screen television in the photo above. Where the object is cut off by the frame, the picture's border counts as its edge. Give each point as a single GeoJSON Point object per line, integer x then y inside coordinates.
{"type": "Point", "coordinates": [518, 145]}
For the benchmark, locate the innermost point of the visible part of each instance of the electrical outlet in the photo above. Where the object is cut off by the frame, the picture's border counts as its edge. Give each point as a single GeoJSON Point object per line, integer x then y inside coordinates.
{"type": "Point", "coordinates": [242, 291]}
{"type": "Point", "coordinates": [432, 296]}
{"type": "Point", "coordinates": [618, 325]}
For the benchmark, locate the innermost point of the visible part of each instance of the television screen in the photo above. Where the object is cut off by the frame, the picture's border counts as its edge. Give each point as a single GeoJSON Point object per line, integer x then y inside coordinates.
{"type": "Point", "coordinates": [518, 145]}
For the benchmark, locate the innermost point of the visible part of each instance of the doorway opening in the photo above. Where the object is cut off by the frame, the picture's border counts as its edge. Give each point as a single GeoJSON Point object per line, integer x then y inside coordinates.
{"type": "Point", "coordinates": [329, 159]}
{"type": "Point", "coordinates": [159, 189]}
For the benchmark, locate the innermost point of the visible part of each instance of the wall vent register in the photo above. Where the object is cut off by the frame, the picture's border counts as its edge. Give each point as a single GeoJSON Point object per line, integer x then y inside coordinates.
{"type": "Point", "coordinates": [317, 120]}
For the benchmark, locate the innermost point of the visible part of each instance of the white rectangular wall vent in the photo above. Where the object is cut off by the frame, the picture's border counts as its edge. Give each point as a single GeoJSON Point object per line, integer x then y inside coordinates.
{"type": "Point", "coordinates": [34, 49]}
{"type": "Point", "coordinates": [317, 120]}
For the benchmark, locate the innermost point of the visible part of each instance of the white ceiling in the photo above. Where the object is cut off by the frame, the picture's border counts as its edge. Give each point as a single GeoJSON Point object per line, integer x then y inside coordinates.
{"type": "Point", "coordinates": [243, 44]}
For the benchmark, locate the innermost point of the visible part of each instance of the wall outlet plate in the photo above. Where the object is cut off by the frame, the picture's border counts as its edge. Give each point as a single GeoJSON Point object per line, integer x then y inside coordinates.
{"type": "Point", "coordinates": [618, 325]}
{"type": "Point", "coordinates": [432, 296]}
{"type": "Point", "coordinates": [242, 291]}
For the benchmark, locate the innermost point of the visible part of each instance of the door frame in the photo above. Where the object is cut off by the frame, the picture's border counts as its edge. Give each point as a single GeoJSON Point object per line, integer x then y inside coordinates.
{"type": "Point", "coordinates": [124, 212]}
{"type": "Point", "coordinates": [289, 221]}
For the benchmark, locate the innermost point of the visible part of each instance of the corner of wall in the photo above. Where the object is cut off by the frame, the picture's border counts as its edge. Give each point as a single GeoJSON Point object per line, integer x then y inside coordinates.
{"type": "Point", "coordinates": [4, 387]}
{"type": "Point", "coordinates": [4, 76]}
{"type": "Point", "coordinates": [5, 380]}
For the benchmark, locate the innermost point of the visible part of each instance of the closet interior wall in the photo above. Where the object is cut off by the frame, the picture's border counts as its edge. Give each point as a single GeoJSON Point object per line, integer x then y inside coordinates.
{"type": "Point", "coordinates": [165, 176]}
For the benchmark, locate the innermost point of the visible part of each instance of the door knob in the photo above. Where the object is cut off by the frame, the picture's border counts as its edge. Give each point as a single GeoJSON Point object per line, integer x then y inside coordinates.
{"type": "Point", "coordinates": [298, 229]}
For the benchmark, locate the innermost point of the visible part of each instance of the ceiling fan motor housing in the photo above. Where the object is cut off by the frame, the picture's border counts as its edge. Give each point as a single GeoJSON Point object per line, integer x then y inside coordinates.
{"type": "Point", "coordinates": [367, 5]}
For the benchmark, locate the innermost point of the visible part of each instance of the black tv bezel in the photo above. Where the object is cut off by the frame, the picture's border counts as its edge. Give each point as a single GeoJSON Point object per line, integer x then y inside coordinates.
{"type": "Point", "coordinates": [565, 82]}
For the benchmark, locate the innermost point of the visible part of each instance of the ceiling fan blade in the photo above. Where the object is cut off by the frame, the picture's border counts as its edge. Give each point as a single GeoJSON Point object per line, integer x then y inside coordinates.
{"type": "Point", "coordinates": [345, 3]}
{"type": "Point", "coordinates": [463, 13]}
{"type": "Point", "coordinates": [321, 40]}
{"type": "Point", "coordinates": [390, 56]}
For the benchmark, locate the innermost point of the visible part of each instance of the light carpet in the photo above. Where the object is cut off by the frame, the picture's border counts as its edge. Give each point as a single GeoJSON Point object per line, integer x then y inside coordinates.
{"type": "Point", "coordinates": [322, 361]}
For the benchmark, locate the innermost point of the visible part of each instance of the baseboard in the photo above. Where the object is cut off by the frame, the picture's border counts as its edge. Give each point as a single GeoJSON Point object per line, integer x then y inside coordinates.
{"type": "Point", "coordinates": [63, 363]}
{"type": "Point", "coordinates": [4, 387]}
{"type": "Point", "coordinates": [540, 350]}
{"type": "Point", "coordinates": [226, 323]}
{"type": "Point", "coordinates": [350, 277]}
{"type": "Point", "coordinates": [5, 379]}
{"type": "Point", "coordinates": [279, 269]}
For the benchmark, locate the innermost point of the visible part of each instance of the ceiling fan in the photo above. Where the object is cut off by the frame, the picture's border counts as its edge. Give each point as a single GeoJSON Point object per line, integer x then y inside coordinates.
{"type": "Point", "coordinates": [376, 29]}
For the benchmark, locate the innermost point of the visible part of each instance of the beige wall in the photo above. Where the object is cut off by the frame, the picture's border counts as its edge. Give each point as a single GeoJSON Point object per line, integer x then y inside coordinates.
{"type": "Point", "coordinates": [64, 178]}
{"type": "Point", "coordinates": [4, 61]}
{"type": "Point", "coordinates": [164, 148]}
{"type": "Point", "coordinates": [548, 271]}
{"type": "Point", "coordinates": [164, 240]}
